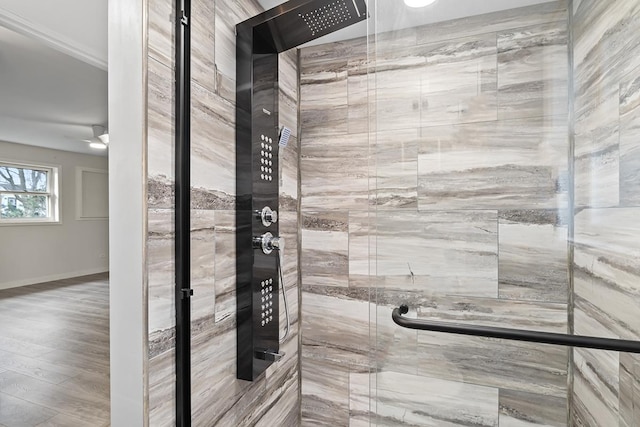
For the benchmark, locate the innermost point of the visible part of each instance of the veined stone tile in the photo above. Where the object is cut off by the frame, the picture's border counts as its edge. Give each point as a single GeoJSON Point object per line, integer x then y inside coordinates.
{"type": "Point", "coordinates": [629, 146]}
{"type": "Point", "coordinates": [288, 164]}
{"type": "Point", "coordinates": [606, 268]}
{"type": "Point", "coordinates": [596, 381]}
{"type": "Point", "coordinates": [396, 171]}
{"type": "Point", "coordinates": [508, 164]}
{"type": "Point", "coordinates": [213, 144]}
{"type": "Point", "coordinates": [459, 83]}
{"type": "Point", "coordinates": [347, 333]}
{"type": "Point", "coordinates": [325, 249]}
{"type": "Point", "coordinates": [519, 409]}
{"type": "Point", "coordinates": [438, 252]}
{"type": "Point", "coordinates": [606, 45]}
{"type": "Point", "coordinates": [404, 399]}
{"type": "Point", "coordinates": [161, 269]}
{"type": "Point", "coordinates": [161, 31]}
{"type": "Point", "coordinates": [537, 316]}
{"type": "Point", "coordinates": [203, 260]}
{"type": "Point", "coordinates": [325, 393]}
{"type": "Point", "coordinates": [324, 102]}
{"type": "Point", "coordinates": [493, 22]}
{"type": "Point", "coordinates": [162, 391]}
{"type": "Point", "coordinates": [362, 246]}
{"type": "Point", "coordinates": [227, 15]}
{"type": "Point", "coordinates": [225, 265]}
{"type": "Point", "coordinates": [533, 70]}
{"type": "Point", "coordinates": [529, 367]}
{"type": "Point", "coordinates": [597, 149]}
{"type": "Point", "coordinates": [594, 402]}
{"type": "Point", "coordinates": [337, 183]}
{"type": "Point", "coordinates": [203, 43]}
{"type": "Point", "coordinates": [288, 88]}
{"type": "Point", "coordinates": [331, 56]}
{"type": "Point", "coordinates": [160, 125]}
{"type": "Point", "coordinates": [288, 226]}
{"type": "Point", "coordinates": [628, 388]}
{"type": "Point", "coordinates": [361, 97]}
{"type": "Point", "coordinates": [533, 256]}
{"type": "Point", "coordinates": [396, 348]}
{"type": "Point", "coordinates": [344, 147]}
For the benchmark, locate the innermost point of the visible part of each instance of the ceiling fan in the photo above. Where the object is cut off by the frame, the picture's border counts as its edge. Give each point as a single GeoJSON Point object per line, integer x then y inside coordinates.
{"type": "Point", "coordinates": [100, 140]}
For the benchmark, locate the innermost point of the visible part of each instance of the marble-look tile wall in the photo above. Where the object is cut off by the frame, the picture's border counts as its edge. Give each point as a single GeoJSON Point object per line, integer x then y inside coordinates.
{"type": "Point", "coordinates": [448, 192]}
{"type": "Point", "coordinates": [607, 174]}
{"type": "Point", "coordinates": [218, 398]}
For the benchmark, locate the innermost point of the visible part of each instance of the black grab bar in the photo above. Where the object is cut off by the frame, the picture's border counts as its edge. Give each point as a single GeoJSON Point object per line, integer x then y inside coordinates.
{"type": "Point", "coordinates": [515, 334]}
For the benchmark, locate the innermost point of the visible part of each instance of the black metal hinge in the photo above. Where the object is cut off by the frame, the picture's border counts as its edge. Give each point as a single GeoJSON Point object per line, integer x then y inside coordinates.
{"type": "Point", "coordinates": [185, 19]}
{"type": "Point", "coordinates": [186, 293]}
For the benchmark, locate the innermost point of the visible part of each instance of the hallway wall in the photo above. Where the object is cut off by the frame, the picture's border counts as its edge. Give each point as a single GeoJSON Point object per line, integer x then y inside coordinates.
{"type": "Point", "coordinates": [607, 192]}
{"type": "Point", "coordinates": [218, 397]}
{"type": "Point", "coordinates": [448, 191]}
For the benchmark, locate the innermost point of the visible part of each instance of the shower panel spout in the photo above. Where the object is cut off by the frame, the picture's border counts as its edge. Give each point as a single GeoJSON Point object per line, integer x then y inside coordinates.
{"type": "Point", "coordinates": [259, 245]}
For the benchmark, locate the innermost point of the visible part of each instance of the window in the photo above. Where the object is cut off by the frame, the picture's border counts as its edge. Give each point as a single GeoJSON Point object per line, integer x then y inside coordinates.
{"type": "Point", "coordinates": [28, 193]}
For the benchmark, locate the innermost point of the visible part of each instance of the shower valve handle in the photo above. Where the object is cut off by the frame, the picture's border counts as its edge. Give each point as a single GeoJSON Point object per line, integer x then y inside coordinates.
{"type": "Point", "coordinates": [268, 242]}
{"type": "Point", "coordinates": [267, 216]}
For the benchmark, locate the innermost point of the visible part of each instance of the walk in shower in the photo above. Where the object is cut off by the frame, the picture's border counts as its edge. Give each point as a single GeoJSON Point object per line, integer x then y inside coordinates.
{"type": "Point", "coordinates": [479, 162]}
{"type": "Point", "coordinates": [476, 161]}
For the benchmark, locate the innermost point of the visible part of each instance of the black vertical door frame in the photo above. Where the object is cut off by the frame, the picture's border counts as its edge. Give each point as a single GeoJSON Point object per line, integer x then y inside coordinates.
{"type": "Point", "coordinates": [183, 289]}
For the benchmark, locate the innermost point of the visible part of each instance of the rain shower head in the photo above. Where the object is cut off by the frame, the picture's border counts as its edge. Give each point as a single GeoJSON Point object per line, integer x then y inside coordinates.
{"type": "Point", "coordinates": [296, 22]}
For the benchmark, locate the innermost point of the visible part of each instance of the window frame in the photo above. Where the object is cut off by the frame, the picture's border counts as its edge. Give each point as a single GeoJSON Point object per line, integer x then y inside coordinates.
{"type": "Point", "coordinates": [52, 193]}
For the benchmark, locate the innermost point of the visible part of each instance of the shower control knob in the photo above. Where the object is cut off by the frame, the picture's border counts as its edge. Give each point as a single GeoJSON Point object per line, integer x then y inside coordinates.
{"type": "Point", "coordinates": [268, 216]}
{"type": "Point", "coordinates": [268, 242]}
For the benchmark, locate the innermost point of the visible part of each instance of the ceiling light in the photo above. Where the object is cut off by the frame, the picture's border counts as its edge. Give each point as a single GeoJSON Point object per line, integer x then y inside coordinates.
{"type": "Point", "coordinates": [419, 3]}
{"type": "Point", "coordinates": [98, 145]}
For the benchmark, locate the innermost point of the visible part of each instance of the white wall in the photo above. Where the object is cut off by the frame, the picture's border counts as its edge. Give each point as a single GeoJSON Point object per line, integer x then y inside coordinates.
{"type": "Point", "coordinates": [37, 253]}
{"type": "Point", "coordinates": [128, 212]}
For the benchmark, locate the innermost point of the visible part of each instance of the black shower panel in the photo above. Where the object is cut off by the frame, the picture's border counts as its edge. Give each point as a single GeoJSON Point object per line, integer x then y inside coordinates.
{"type": "Point", "coordinates": [259, 41]}
{"type": "Point", "coordinates": [257, 174]}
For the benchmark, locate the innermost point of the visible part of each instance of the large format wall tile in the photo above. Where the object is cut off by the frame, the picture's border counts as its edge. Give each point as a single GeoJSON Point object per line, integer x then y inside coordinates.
{"type": "Point", "coordinates": [607, 274]}
{"type": "Point", "coordinates": [404, 399]}
{"type": "Point", "coordinates": [523, 409]}
{"type": "Point", "coordinates": [325, 252]}
{"type": "Point", "coordinates": [533, 69]}
{"type": "Point", "coordinates": [396, 174]}
{"type": "Point", "coordinates": [629, 137]}
{"type": "Point", "coordinates": [493, 22]}
{"type": "Point", "coordinates": [335, 172]}
{"type": "Point", "coordinates": [459, 83]}
{"type": "Point", "coordinates": [533, 241]}
{"type": "Point", "coordinates": [451, 253]}
{"type": "Point", "coordinates": [507, 164]}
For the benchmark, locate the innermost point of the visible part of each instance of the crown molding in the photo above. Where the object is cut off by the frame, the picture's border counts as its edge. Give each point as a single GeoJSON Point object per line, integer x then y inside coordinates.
{"type": "Point", "coordinates": [52, 39]}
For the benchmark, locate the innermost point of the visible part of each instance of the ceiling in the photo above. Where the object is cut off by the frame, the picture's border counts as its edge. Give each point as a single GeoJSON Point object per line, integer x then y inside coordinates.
{"type": "Point", "coordinates": [53, 79]}
{"type": "Point", "coordinates": [53, 61]}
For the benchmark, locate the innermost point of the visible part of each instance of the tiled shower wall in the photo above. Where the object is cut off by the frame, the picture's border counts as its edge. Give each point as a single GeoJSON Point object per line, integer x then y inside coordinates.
{"type": "Point", "coordinates": [607, 173]}
{"type": "Point", "coordinates": [455, 199]}
{"type": "Point", "coordinates": [218, 398]}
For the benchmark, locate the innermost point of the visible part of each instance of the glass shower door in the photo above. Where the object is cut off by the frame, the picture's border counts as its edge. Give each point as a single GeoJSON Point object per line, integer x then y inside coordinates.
{"type": "Point", "coordinates": [505, 191]}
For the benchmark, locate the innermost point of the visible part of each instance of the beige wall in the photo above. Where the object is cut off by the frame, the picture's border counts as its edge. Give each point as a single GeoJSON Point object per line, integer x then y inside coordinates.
{"type": "Point", "coordinates": [37, 253]}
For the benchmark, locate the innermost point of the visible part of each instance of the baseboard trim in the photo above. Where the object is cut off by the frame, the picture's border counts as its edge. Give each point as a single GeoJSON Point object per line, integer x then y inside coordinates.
{"type": "Point", "coordinates": [51, 278]}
